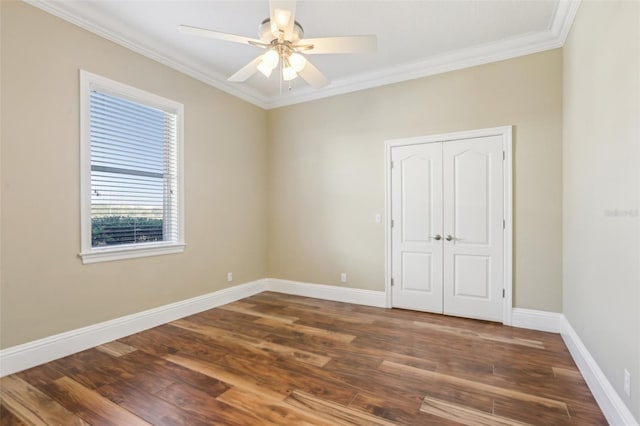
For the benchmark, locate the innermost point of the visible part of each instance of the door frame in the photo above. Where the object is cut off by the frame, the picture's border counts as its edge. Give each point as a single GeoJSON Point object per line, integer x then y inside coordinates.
{"type": "Point", "coordinates": [505, 132]}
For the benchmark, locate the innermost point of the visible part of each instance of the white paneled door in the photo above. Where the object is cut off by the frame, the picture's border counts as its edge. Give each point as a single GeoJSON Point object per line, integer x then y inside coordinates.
{"type": "Point", "coordinates": [447, 235]}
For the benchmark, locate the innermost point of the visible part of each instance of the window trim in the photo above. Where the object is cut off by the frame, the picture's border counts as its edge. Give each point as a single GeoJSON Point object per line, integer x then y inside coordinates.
{"type": "Point", "coordinates": [89, 254]}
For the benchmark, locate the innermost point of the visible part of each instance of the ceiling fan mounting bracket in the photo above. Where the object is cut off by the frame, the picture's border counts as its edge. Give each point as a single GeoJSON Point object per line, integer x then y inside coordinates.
{"type": "Point", "coordinates": [265, 34]}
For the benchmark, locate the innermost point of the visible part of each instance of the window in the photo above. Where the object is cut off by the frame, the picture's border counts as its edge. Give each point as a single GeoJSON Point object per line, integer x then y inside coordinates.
{"type": "Point", "coordinates": [131, 172]}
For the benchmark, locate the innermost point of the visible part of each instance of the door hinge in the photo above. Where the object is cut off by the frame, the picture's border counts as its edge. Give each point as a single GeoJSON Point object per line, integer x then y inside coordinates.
{"type": "Point", "coordinates": [391, 282]}
{"type": "Point", "coordinates": [392, 164]}
{"type": "Point", "coordinates": [504, 224]}
{"type": "Point", "coordinates": [392, 223]}
{"type": "Point", "coordinates": [503, 293]}
{"type": "Point", "coordinates": [504, 155]}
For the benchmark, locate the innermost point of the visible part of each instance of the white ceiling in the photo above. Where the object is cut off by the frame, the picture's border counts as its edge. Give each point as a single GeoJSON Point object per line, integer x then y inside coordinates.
{"type": "Point", "coordinates": [415, 38]}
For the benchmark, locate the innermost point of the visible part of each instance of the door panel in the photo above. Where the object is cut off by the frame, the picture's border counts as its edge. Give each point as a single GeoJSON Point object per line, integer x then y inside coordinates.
{"type": "Point", "coordinates": [416, 198]}
{"type": "Point", "coordinates": [416, 272]}
{"type": "Point", "coordinates": [416, 188]}
{"type": "Point", "coordinates": [472, 276]}
{"type": "Point", "coordinates": [473, 213]}
{"type": "Point", "coordinates": [471, 192]}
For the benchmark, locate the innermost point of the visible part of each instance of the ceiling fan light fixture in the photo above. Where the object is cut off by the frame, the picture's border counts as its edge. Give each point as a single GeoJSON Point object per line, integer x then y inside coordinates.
{"type": "Point", "coordinates": [297, 62]}
{"type": "Point", "coordinates": [282, 37]}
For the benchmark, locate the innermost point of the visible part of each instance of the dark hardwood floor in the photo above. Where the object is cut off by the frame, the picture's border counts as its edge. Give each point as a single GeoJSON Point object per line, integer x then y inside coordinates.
{"type": "Point", "coordinates": [288, 360]}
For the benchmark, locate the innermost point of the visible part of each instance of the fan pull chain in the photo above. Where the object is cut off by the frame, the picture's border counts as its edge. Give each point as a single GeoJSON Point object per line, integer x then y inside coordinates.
{"type": "Point", "coordinates": [281, 70]}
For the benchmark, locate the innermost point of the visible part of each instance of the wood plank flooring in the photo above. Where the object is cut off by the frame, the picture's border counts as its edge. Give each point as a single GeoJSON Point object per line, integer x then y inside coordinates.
{"type": "Point", "coordinates": [275, 359]}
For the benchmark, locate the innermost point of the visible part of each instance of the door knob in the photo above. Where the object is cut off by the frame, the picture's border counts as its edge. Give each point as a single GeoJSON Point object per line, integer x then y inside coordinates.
{"type": "Point", "coordinates": [438, 237]}
{"type": "Point", "coordinates": [449, 238]}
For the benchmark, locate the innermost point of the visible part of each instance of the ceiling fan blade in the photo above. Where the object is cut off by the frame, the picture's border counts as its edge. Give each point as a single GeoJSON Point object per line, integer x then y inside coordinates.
{"type": "Point", "coordinates": [313, 76]}
{"type": "Point", "coordinates": [247, 71]}
{"type": "Point", "coordinates": [282, 14]}
{"type": "Point", "coordinates": [347, 44]}
{"type": "Point", "coordinates": [216, 35]}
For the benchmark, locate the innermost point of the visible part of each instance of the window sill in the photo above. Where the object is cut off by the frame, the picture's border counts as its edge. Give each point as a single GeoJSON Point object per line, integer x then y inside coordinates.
{"type": "Point", "coordinates": [130, 252]}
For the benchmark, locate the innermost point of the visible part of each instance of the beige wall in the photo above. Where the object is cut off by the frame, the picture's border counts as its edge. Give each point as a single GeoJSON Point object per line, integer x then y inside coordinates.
{"type": "Point", "coordinates": [45, 289]}
{"type": "Point", "coordinates": [601, 176]}
{"type": "Point", "coordinates": [326, 179]}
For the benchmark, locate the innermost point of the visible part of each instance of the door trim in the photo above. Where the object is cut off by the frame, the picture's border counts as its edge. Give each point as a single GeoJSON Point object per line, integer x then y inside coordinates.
{"type": "Point", "coordinates": [505, 132]}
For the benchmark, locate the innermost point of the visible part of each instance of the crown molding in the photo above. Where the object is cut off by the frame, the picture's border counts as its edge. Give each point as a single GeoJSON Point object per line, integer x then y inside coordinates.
{"type": "Point", "coordinates": [65, 11]}
{"type": "Point", "coordinates": [440, 64]}
{"type": "Point", "coordinates": [554, 37]}
{"type": "Point", "coordinates": [563, 18]}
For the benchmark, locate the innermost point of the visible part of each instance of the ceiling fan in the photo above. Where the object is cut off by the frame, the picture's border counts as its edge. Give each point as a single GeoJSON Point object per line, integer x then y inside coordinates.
{"type": "Point", "coordinates": [282, 37]}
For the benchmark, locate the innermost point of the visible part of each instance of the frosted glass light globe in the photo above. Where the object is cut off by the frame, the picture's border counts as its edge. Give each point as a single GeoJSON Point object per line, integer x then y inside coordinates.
{"type": "Point", "coordinates": [270, 59]}
{"type": "Point", "coordinates": [297, 61]}
{"type": "Point", "coordinates": [289, 73]}
{"type": "Point", "coordinates": [264, 69]}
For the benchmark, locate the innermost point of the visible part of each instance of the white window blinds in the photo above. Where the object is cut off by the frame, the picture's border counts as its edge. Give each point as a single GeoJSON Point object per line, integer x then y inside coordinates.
{"type": "Point", "coordinates": [133, 172]}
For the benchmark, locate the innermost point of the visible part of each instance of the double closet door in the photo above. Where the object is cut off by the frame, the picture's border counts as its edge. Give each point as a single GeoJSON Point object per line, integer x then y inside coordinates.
{"type": "Point", "coordinates": [447, 231]}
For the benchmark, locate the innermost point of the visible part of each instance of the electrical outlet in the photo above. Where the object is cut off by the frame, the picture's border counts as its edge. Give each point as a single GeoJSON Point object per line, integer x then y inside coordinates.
{"type": "Point", "coordinates": [627, 382]}
{"type": "Point", "coordinates": [229, 276]}
{"type": "Point", "coordinates": [378, 218]}
{"type": "Point", "coordinates": [343, 277]}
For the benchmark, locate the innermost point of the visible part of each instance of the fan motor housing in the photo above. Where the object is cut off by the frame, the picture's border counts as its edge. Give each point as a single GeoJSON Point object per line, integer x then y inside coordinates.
{"type": "Point", "coordinates": [265, 34]}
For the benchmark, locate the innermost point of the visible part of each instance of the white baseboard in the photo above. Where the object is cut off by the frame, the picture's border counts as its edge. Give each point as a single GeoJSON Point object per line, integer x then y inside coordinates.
{"type": "Point", "coordinates": [328, 292]}
{"type": "Point", "coordinates": [21, 357]}
{"type": "Point", "coordinates": [536, 320]}
{"type": "Point", "coordinates": [610, 403]}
